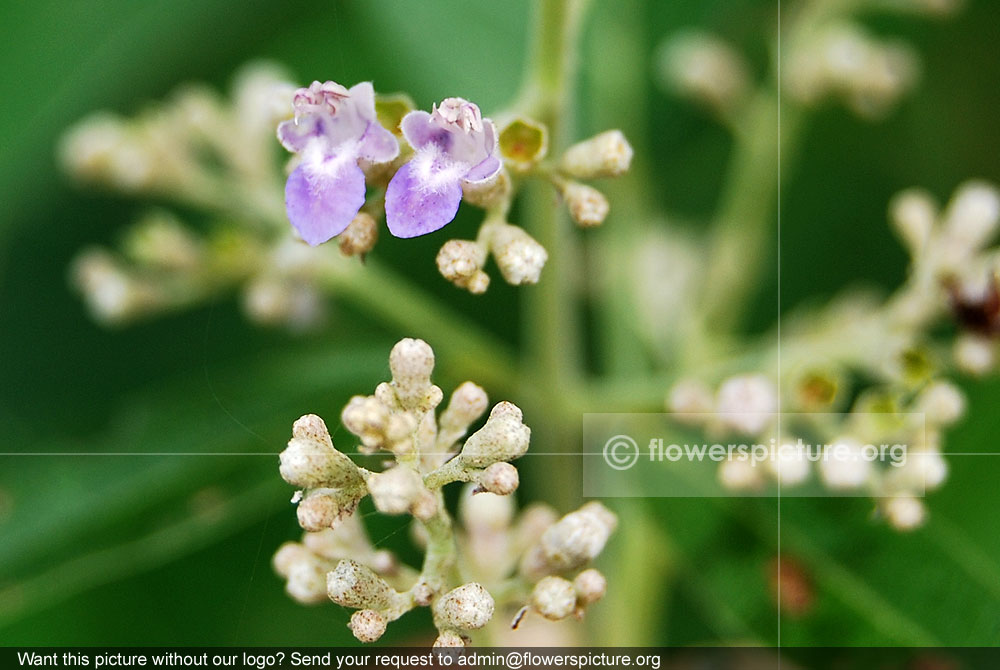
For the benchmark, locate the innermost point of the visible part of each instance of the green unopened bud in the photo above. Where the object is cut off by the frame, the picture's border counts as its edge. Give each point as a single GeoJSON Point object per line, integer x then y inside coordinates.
{"type": "Point", "coordinates": [468, 607]}
{"type": "Point", "coordinates": [354, 585]}
{"type": "Point", "coordinates": [390, 110]}
{"type": "Point", "coordinates": [606, 155]}
{"type": "Point", "coordinates": [523, 143]}
{"type": "Point", "coordinates": [311, 461]}
{"type": "Point", "coordinates": [554, 598]}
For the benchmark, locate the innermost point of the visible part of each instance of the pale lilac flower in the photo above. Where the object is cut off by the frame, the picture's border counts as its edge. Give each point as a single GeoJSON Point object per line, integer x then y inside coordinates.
{"type": "Point", "coordinates": [454, 144]}
{"type": "Point", "coordinates": [332, 130]}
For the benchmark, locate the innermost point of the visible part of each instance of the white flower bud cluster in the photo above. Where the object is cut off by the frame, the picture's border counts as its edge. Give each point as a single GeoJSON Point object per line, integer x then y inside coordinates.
{"type": "Point", "coordinates": [705, 69]}
{"type": "Point", "coordinates": [842, 60]}
{"type": "Point", "coordinates": [518, 256]}
{"type": "Point", "coordinates": [335, 559]}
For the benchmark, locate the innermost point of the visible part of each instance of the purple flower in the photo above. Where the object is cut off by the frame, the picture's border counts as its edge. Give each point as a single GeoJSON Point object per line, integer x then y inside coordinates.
{"type": "Point", "coordinates": [332, 130]}
{"type": "Point", "coordinates": [454, 144]}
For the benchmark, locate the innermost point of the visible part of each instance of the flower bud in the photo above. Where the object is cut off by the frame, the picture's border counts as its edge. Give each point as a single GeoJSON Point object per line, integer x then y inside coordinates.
{"type": "Point", "coordinates": [360, 235]}
{"type": "Point", "coordinates": [519, 257]}
{"type": "Point", "coordinates": [554, 598]}
{"type": "Point", "coordinates": [411, 362]}
{"type": "Point", "coordinates": [905, 512]}
{"type": "Point", "coordinates": [973, 214]}
{"type": "Point", "coordinates": [396, 490]}
{"type": "Point", "coordinates": [913, 213]}
{"type": "Point", "coordinates": [587, 206]}
{"type": "Point", "coordinates": [704, 68]}
{"type": "Point", "coordinates": [304, 572]}
{"type": "Point", "coordinates": [974, 354]}
{"type": "Point", "coordinates": [843, 465]}
{"type": "Point", "coordinates": [468, 402]}
{"type": "Point", "coordinates": [503, 438]}
{"type": "Point", "coordinates": [161, 241]}
{"type": "Point", "coordinates": [354, 585]}
{"type": "Point", "coordinates": [485, 511]}
{"type": "Point", "coordinates": [590, 586]}
{"type": "Point", "coordinates": [739, 474]}
{"type": "Point", "coordinates": [461, 262]}
{"type": "Point", "coordinates": [578, 537]}
{"type": "Point", "coordinates": [468, 607]}
{"type": "Point", "coordinates": [311, 461]}
{"type": "Point", "coordinates": [746, 403]}
{"type": "Point", "coordinates": [942, 403]}
{"type": "Point", "coordinates": [449, 638]}
{"type": "Point", "coordinates": [605, 155]}
{"type": "Point", "coordinates": [366, 417]}
{"type": "Point", "coordinates": [367, 625]}
{"type": "Point", "coordinates": [500, 478]}
{"type": "Point", "coordinates": [323, 508]}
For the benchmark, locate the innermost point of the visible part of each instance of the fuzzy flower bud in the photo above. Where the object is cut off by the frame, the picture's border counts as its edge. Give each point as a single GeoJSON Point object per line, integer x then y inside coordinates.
{"type": "Point", "coordinates": [554, 598]}
{"type": "Point", "coordinates": [468, 607]}
{"type": "Point", "coordinates": [605, 155]}
{"type": "Point", "coordinates": [578, 537]}
{"type": "Point", "coordinates": [461, 262]}
{"type": "Point", "coordinates": [360, 235]}
{"type": "Point", "coordinates": [366, 417]}
{"type": "Point", "coordinates": [499, 478]}
{"type": "Point", "coordinates": [304, 572]}
{"type": "Point", "coordinates": [354, 585]}
{"type": "Point", "coordinates": [412, 362]}
{"type": "Point", "coordinates": [323, 508]}
{"type": "Point", "coordinates": [399, 490]}
{"type": "Point", "coordinates": [587, 206]}
{"type": "Point", "coordinates": [519, 257]}
{"type": "Point", "coordinates": [590, 586]}
{"type": "Point", "coordinates": [485, 511]}
{"type": "Point", "coordinates": [449, 639]}
{"type": "Point", "coordinates": [503, 438]}
{"type": "Point", "coordinates": [367, 625]}
{"type": "Point", "coordinates": [468, 402]}
{"type": "Point", "coordinates": [311, 461]}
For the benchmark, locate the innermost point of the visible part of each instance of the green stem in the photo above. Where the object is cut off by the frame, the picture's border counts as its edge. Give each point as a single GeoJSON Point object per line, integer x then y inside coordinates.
{"type": "Point", "coordinates": [439, 561]}
{"type": "Point", "coordinates": [745, 224]}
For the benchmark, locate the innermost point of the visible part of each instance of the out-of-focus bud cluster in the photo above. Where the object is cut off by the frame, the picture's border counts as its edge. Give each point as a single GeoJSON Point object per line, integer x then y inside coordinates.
{"type": "Point", "coordinates": [844, 61]}
{"type": "Point", "coordinates": [335, 559]}
{"type": "Point", "coordinates": [202, 150]}
{"type": "Point", "coordinates": [705, 69]}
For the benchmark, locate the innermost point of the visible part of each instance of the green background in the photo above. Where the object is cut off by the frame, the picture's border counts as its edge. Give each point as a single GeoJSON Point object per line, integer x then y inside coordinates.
{"type": "Point", "coordinates": [150, 549]}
